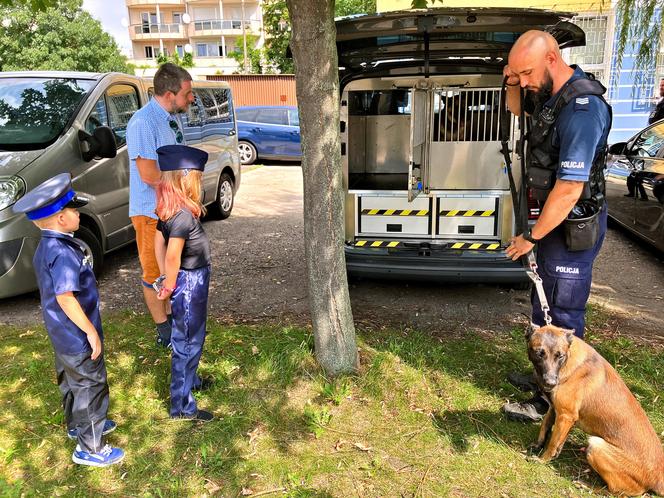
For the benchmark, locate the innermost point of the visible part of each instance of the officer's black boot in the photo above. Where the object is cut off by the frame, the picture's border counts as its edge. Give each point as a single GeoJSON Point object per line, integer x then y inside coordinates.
{"type": "Point", "coordinates": [532, 410]}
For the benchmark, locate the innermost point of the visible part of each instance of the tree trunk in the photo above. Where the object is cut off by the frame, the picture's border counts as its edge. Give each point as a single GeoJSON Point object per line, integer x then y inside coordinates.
{"type": "Point", "coordinates": [317, 84]}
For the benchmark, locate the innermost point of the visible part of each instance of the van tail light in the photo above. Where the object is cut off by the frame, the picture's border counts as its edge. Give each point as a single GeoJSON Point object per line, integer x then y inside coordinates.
{"type": "Point", "coordinates": [533, 206]}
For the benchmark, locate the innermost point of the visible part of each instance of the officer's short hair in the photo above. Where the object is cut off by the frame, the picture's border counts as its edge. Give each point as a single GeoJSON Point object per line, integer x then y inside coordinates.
{"type": "Point", "coordinates": [169, 78]}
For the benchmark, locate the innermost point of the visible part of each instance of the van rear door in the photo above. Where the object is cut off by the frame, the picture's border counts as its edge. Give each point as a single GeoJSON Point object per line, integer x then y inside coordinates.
{"type": "Point", "coordinates": [434, 37]}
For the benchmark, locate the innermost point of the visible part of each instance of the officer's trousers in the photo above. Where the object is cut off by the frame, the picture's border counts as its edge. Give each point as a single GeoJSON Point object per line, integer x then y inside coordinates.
{"type": "Point", "coordinates": [82, 382]}
{"type": "Point", "coordinates": [189, 311]}
{"type": "Point", "coordinates": [566, 276]}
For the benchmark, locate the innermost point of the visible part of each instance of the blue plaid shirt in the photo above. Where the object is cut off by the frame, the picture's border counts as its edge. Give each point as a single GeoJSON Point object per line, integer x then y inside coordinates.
{"type": "Point", "coordinates": [148, 129]}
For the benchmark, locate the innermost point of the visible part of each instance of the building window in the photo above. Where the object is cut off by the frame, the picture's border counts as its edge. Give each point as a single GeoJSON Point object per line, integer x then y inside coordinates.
{"type": "Point", "coordinates": [595, 28]}
{"type": "Point", "coordinates": [177, 18]}
{"type": "Point", "coordinates": [207, 50]}
{"type": "Point", "coordinates": [180, 50]}
{"type": "Point", "coordinates": [148, 53]}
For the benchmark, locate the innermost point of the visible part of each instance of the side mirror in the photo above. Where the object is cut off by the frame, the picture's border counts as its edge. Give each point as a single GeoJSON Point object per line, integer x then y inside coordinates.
{"type": "Point", "coordinates": [618, 148]}
{"type": "Point", "coordinates": [100, 144]}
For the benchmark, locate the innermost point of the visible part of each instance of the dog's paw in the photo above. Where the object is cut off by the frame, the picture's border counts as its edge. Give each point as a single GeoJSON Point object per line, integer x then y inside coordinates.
{"type": "Point", "coordinates": [534, 458]}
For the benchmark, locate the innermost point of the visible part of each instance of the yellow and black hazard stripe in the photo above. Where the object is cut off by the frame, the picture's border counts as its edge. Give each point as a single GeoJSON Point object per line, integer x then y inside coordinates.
{"type": "Point", "coordinates": [475, 246]}
{"type": "Point", "coordinates": [377, 243]}
{"type": "Point", "coordinates": [468, 212]}
{"type": "Point", "coordinates": [472, 246]}
{"type": "Point", "coordinates": [395, 212]}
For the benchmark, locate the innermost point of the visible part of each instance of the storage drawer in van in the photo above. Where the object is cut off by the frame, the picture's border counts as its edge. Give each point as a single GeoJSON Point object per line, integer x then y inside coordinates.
{"type": "Point", "coordinates": [464, 216]}
{"type": "Point", "coordinates": [390, 214]}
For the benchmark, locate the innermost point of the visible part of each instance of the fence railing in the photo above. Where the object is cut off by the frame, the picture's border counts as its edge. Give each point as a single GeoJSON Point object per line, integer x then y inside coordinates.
{"type": "Point", "coordinates": [225, 24]}
{"type": "Point", "coordinates": [141, 29]}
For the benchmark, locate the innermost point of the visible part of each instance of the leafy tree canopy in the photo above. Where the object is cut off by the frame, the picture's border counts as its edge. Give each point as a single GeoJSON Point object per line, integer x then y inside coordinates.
{"type": "Point", "coordinates": [276, 23]}
{"type": "Point", "coordinates": [61, 36]}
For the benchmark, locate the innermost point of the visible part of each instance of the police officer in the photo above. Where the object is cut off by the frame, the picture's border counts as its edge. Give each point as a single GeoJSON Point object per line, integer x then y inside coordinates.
{"type": "Point", "coordinates": [70, 305]}
{"type": "Point", "coordinates": [658, 112]}
{"type": "Point", "coordinates": [565, 158]}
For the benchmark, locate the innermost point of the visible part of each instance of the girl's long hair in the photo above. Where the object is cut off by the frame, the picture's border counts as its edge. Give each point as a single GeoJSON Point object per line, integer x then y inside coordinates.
{"type": "Point", "coordinates": [178, 190]}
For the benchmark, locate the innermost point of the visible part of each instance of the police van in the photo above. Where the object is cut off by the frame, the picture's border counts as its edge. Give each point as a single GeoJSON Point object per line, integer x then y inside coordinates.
{"type": "Point", "coordinates": [427, 189]}
{"type": "Point", "coordinates": [64, 122]}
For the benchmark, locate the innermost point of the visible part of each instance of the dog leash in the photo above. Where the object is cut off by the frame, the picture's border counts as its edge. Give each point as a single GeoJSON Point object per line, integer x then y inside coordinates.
{"type": "Point", "coordinates": [518, 200]}
{"type": "Point", "coordinates": [531, 271]}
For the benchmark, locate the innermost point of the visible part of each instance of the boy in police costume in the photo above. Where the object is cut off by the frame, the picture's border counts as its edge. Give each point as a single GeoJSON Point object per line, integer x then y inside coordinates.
{"type": "Point", "coordinates": [70, 305]}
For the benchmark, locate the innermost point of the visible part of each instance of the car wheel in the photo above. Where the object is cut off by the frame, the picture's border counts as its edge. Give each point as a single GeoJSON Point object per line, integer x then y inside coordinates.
{"type": "Point", "coordinates": [247, 152]}
{"type": "Point", "coordinates": [222, 207]}
{"type": "Point", "coordinates": [88, 237]}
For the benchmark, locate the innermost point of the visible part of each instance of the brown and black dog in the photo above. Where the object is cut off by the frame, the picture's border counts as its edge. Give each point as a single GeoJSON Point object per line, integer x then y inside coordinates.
{"type": "Point", "coordinates": [584, 389]}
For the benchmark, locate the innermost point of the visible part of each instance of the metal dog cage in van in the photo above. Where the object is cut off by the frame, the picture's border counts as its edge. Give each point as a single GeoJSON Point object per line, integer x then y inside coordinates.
{"type": "Point", "coordinates": [425, 165]}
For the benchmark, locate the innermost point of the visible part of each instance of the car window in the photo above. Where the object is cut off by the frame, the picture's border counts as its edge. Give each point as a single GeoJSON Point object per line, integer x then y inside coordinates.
{"type": "Point", "coordinates": [114, 109]}
{"type": "Point", "coordinates": [35, 111]}
{"type": "Point", "coordinates": [273, 116]}
{"type": "Point", "coordinates": [293, 117]}
{"type": "Point", "coordinates": [211, 105]}
{"type": "Point", "coordinates": [246, 114]}
{"type": "Point", "coordinates": [220, 112]}
{"type": "Point", "coordinates": [195, 115]}
{"type": "Point", "coordinates": [649, 143]}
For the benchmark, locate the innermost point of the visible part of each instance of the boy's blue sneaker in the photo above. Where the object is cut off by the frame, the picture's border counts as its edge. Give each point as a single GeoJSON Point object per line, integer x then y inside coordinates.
{"type": "Point", "coordinates": [109, 426]}
{"type": "Point", "coordinates": [107, 456]}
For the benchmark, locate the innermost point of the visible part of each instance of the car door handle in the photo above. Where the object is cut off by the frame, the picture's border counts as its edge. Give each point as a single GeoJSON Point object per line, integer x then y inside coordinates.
{"type": "Point", "coordinates": [294, 132]}
{"type": "Point", "coordinates": [256, 129]}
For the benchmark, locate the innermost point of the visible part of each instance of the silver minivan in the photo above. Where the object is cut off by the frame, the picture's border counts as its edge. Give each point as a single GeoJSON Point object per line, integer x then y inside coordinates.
{"type": "Point", "coordinates": [427, 190]}
{"type": "Point", "coordinates": [56, 122]}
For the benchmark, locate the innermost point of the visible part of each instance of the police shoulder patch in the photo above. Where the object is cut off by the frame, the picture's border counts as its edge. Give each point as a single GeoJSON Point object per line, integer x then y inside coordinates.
{"type": "Point", "coordinates": [581, 104]}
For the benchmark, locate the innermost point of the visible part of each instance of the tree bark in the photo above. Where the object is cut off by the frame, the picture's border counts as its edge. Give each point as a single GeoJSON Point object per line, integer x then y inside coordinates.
{"type": "Point", "coordinates": [313, 44]}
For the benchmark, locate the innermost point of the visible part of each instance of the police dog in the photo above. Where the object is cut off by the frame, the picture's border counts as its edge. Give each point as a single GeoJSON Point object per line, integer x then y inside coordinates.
{"type": "Point", "coordinates": [583, 388]}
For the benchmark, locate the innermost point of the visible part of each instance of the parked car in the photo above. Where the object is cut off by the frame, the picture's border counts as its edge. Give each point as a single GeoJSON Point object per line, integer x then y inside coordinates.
{"type": "Point", "coordinates": [635, 184]}
{"type": "Point", "coordinates": [268, 132]}
{"type": "Point", "coordinates": [63, 122]}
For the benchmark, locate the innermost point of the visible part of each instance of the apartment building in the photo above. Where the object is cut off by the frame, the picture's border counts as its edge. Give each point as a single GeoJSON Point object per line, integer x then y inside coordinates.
{"type": "Point", "coordinates": [208, 29]}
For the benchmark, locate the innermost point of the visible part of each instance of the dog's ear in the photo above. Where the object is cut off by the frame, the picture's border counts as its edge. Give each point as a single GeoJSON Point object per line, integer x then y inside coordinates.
{"type": "Point", "coordinates": [569, 335]}
{"type": "Point", "coordinates": [530, 329]}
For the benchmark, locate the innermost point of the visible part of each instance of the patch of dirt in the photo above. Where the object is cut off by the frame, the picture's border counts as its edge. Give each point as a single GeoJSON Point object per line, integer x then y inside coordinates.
{"type": "Point", "coordinates": [259, 275]}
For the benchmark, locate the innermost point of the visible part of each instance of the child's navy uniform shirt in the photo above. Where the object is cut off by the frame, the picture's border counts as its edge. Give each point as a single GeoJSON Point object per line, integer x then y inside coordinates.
{"type": "Point", "coordinates": [61, 266]}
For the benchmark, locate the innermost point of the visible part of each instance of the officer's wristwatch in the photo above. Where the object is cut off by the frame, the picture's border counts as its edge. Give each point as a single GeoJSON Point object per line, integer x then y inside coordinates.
{"type": "Point", "coordinates": [527, 234]}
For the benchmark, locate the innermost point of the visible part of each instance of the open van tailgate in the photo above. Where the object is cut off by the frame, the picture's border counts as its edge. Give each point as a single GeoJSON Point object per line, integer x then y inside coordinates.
{"type": "Point", "coordinates": [435, 35]}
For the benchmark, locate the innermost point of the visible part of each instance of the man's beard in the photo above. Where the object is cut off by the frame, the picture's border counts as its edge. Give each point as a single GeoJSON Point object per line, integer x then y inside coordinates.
{"type": "Point", "coordinates": [546, 88]}
{"type": "Point", "coordinates": [543, 93]}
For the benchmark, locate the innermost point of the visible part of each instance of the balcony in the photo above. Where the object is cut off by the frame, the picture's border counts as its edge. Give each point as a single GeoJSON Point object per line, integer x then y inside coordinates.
{"type": "Point", "coordinates": [164, 3]}
{"type": "Point", "coordinates": [215, 27]}
{"type": "Point", "coordinates": [173, 31]}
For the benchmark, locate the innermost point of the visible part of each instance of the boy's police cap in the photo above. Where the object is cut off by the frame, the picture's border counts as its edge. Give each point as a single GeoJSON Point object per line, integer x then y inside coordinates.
{"type": "Point", "coordinates": [49, 198]}
{"type": "Point", "coordinates": [176, 157]}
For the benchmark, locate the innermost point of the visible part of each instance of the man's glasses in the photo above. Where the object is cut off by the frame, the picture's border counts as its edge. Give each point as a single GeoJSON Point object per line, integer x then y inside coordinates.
{"type": "Point", "coordinates": [178, 134]}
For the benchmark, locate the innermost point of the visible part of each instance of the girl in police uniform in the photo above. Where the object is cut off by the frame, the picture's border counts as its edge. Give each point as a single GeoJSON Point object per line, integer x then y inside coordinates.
{"type": "Point", "coordinates": [183, 253]}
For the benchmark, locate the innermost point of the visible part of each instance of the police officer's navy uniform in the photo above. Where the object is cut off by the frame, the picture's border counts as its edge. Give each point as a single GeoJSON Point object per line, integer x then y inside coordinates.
{"type": "Point", "coordinates": [657, 113]}
{"type": "Point", "coordinates": [62, 264]}
{"type": "Point", "coordinates": [190, 297]}
{"type": "Point", "coordinates": [576, 150]}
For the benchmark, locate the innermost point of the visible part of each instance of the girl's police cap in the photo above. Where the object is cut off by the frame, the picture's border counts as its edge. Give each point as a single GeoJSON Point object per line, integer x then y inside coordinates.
{"type": "Point", "coordinates": [176, 157]}
{"type": "Point", "coordinates": [49, 198]}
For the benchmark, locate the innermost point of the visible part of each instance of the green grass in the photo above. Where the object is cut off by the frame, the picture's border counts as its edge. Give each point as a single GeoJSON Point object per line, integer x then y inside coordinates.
{"type": "Point", "coordinates": [421, 419]}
